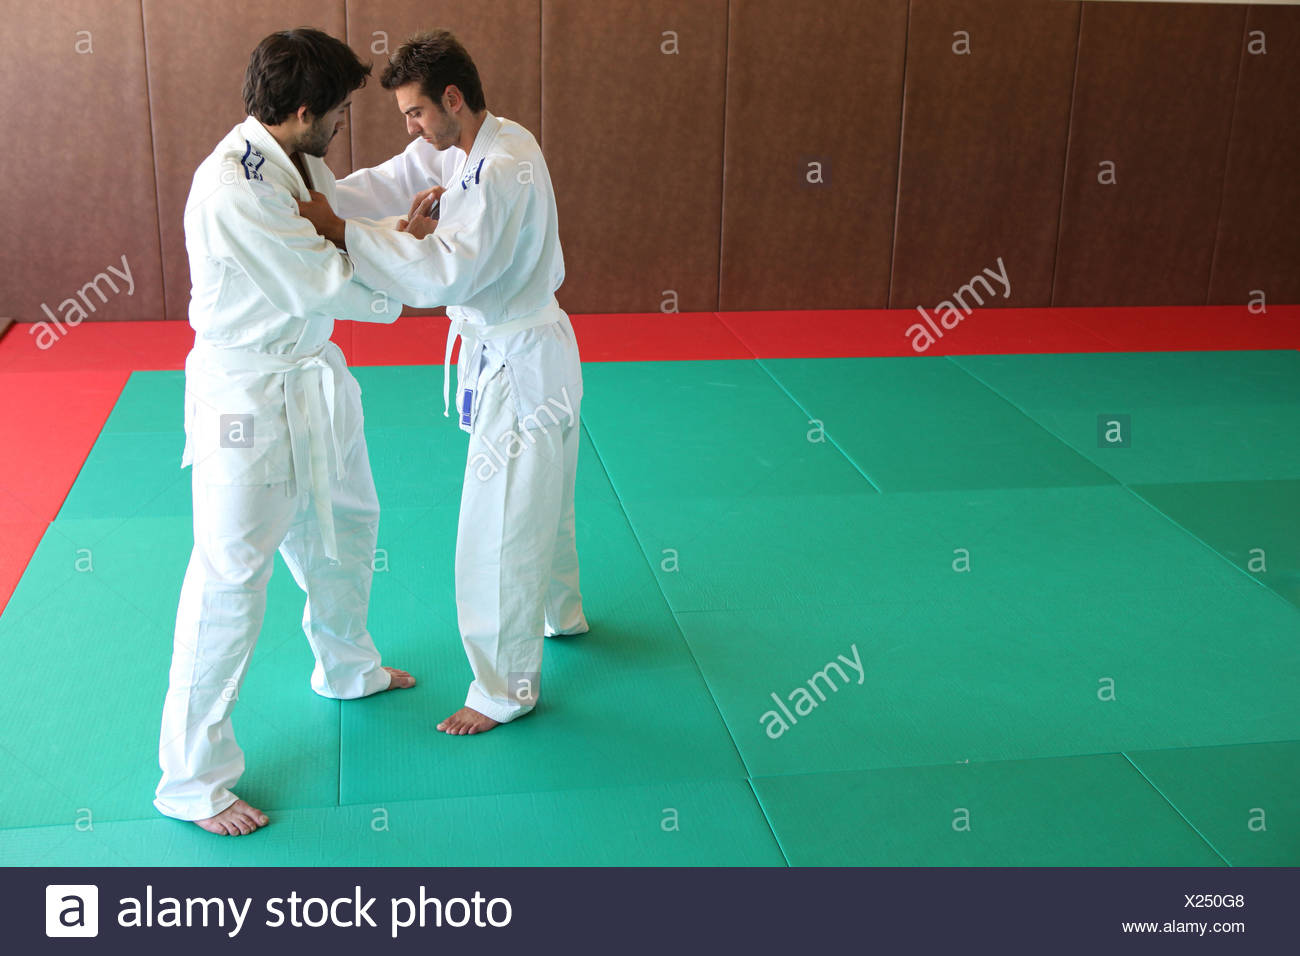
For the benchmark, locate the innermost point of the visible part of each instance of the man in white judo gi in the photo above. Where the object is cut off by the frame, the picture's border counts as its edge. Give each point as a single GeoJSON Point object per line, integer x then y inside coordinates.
{"type": "Point", "coordinates": [273, 425]}
{"type": "Point", "coordinates": [494, 259]}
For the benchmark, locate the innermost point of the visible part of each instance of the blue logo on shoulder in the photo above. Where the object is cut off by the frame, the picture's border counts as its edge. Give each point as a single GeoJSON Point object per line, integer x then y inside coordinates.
{"type": "Point", "coordinates": [252, 162]}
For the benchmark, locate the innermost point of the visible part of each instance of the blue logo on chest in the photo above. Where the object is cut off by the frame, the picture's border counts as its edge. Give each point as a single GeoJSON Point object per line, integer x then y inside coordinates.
{"type": "Point", "coordinates": [472, 175]}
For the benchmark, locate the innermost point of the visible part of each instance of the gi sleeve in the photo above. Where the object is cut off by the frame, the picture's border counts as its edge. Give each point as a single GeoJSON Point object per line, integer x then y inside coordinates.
{"type": "Point", "coordinates": [256, 228]}
{"type": "Point", "coordinates": [387, 189]}
{"type": "Point", "coordinates": [461, 258]}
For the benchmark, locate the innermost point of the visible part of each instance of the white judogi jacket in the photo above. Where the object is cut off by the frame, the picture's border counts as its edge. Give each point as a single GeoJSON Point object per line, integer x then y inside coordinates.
{"type": "Point", "coordinates": [266, 289]}
{"type": "Point", "coordinates": [495, 259]}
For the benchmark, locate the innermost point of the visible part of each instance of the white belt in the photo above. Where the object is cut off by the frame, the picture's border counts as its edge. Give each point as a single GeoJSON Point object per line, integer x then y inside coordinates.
{"type": "Point", "coordinates": [312, 375]}
{"type": "Point", "coordinates": [548, 314]}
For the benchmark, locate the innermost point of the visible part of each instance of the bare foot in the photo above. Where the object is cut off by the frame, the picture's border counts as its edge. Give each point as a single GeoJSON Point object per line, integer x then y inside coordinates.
{"type": "Point", "coordinates": [468, 721]}
{"type": "Point", "coordinates": [238, 818]}
{"type": "Point", "coordinates": [400, 679]}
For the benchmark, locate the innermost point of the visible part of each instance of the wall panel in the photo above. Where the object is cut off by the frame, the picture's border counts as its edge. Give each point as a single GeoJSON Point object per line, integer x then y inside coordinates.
{"type": "Point", "coordinates": [680, 137]}
{"type": "Point", "coordinates": [502, 36]}
{"type": "Point", "coordinates": [78, 172]}
{"type": "Point", "coordinates": [1258, 244]}
{"type": "Point", "coordinates": [985, 119]}
{"type": "Point", "coordinates": [633, 139]}
{"type": "Point", "coordinates": [197, 57]}
{"type": "Point", "coordinates": [813, 99]}
{"type": "Point", "coordinates": [1154, 97]}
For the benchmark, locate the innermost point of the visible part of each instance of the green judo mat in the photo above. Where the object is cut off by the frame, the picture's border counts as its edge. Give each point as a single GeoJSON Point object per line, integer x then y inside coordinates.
{"type": "Point", "coordinates": [889, 611]}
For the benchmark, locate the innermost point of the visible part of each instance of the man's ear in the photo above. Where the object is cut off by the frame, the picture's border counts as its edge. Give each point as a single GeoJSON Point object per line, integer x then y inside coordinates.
{"type": "Point", "coordinates": [304, 115]}
{"type": "Point", "coordinates": [453, 98]}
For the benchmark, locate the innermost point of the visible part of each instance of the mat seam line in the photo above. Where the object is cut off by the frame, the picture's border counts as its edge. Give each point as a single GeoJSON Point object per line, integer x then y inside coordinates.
{"type": "Point", "coordinates": [1176, 810]}
{"type": "Point", "coordinates": [713, 697]}
{"type": "Point", "coordinates": [735, 334]}
{"type": "Point", "coordinates": [1205, 544]}
{"type": "Point", "coordinates": [1121, 484]}
{"type": "Point", "coordinates": [951, 359]}
{"type": "Point", "coordinates": [627, 520]}
{"type": "Point", "coordinates": [762, 808]}
{"type": "Point", "coordinates": [1036, 757]}
{"type": "Point", "coordinates": [790, 395]}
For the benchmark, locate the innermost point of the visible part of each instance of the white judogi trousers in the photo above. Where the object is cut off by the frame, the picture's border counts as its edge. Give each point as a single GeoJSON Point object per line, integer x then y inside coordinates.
{"type": "Point", "coordinates": [516, 553]}
{"type": "Point", "coordinates": [237, 530]}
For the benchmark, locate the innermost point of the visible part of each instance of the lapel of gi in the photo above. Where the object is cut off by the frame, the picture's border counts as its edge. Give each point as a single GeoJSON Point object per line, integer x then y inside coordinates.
{"type": "Point", "coordinates": [486, 136]}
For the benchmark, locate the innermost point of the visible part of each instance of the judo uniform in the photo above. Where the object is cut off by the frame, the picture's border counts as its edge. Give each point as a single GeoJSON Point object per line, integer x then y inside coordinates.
{"type": "Point", "coordinates": [495, 262]}
{"type": "Point", "coordinates": [273, 428]}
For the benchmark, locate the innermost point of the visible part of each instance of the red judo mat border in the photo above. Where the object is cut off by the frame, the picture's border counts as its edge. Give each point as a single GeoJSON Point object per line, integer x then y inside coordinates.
{"type": "Point", "coordinates": [658, 337]}
{"type": "Point", "coordinates": [58, 385]}
{"type": "Point", "coordinates": [861, 333]}
{"type": "Point", "coordinates": [50, 418]}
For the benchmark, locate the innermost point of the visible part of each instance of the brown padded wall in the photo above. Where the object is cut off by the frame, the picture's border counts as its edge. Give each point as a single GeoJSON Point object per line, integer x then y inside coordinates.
{"type": "Point", "coordinates": [78, 173]}
{"type": "Point", "coordinates": [633, 140]}
{"type": "Point", "coordinates": [1154, 96]}
{"type": "Point", "coordinates": [502, 36]}
{"type": "Point", "coordinates": [984, 138]}
{"type": "Point", "coordinates": [1258, 244]}
{"type": "Point", "coordinates": [197, 57]}
{"type": "Point", "coordinates": [815, 83]}
{"type": "Point", "coordinates": [1204, 135]}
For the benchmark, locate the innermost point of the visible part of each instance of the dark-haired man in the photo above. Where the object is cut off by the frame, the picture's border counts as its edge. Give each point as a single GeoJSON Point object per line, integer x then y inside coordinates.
{"type": "Point", "coordinates": [272, 422]}
{"type": "Point", "coordinates": [495, 261]}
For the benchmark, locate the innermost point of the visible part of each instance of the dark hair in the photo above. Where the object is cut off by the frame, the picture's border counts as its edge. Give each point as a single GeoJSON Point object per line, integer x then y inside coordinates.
{"type": "Point", "coordinates": [435, 60]}
{"type": "Point", "coordinates": [300, 67]}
